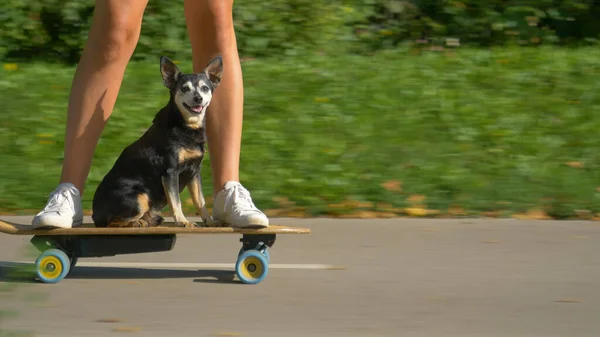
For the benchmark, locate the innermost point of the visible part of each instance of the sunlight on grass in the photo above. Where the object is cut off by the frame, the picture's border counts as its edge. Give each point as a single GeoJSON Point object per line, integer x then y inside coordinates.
{"type": "Point", "coordinates": [479, 131]}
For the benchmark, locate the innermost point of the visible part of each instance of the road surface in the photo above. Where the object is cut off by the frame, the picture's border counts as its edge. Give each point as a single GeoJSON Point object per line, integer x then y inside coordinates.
{"type": "Point", "coordinates": [409, 278]}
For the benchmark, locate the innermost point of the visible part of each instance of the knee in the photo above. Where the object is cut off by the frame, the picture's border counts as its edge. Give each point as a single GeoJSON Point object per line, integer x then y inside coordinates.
{"type": "Point", "coordinates": [119, 38]}
{"type": "Point", "coordinates": [221, 13]}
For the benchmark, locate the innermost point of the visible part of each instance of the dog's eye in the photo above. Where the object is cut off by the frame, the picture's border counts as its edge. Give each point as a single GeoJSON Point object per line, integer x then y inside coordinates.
{"type": "Point", "coordinates": [185, 89]}
{"type": "Point", "coordinates": [204, 88]}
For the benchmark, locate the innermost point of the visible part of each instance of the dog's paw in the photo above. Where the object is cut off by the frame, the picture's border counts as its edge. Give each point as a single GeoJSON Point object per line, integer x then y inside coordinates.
{"type": "Point", "coordinates": [141, 223]}
{"type": "Point", "coordinates": [186, 224]}
{"type": "Point", "coordinates": [210, 222]}
{"type": "Point", "coordinates": [157, 221]}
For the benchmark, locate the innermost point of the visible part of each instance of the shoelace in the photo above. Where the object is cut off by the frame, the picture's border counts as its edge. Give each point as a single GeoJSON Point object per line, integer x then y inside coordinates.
{"type": "Point", "coordinates": [243, 197]}
{"type": "Point", "coordinates": [58, 200]}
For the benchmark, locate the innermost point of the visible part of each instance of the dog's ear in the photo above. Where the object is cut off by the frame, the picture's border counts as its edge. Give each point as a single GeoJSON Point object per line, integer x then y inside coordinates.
{"type": "Point", "coordinates": [214, 71]}
{"type": "Point", "coordinates": [169, 71]}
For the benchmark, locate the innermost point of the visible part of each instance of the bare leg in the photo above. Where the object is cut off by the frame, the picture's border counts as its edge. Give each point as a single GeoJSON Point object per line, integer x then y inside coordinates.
{"type": "Point", "coordinates": [211, 31]}
{"type": "Point", "coordinates": [111, 41]}
{"type": "Point", "coordinates": [210, 28]}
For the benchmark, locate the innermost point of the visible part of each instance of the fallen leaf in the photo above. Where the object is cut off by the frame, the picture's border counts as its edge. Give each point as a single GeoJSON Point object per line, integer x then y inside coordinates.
{"type": "Point", "coordinates": [384, 206]}
{"type": "Point", "coordinates": [388, 208]}
{"type": "Point", "coordinates": [574, 164]}
{"type": "Point", "coordinates": [299, 212]}
{"type": "Point", "coordinates": [283, 202]}
{"type": "Point", "coordinates": [359, 215]}
{"type": "Point", "coordinates": [490, 214]}
{"type": "Point", "coordinates": [354, 204]}
{"type": "Point", "coordinates": [385, 215]}
{"type": "Point", "coordinates": [273, 212]}
{"type": "Point", "coordinates": [11, 66]}
{"type": "Point", "coordinates": [535, 214]}
{"type": "Point", "coordinates": [392, 185]}
{"type": "Point", "coordinates": [456, 210]}
{"type": "Point", "coordinates": [337, 206]}
{"type": "Point", "coordinates": [416, 198]}
{"type": "Point", "coordinates": [584, 214]}
{"type": "Point", "coordinates": [420, 211]}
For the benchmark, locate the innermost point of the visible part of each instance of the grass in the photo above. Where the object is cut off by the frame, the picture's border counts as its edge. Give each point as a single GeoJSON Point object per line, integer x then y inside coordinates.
{"type": "Point", "coordinates": [495, 132]}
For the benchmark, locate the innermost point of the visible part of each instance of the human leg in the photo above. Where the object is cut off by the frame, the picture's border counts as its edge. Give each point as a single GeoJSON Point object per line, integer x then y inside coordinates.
{"type": "Point", "coordinates": [113, 35]}
{"type": "Point", "coordinates": [211, 31]}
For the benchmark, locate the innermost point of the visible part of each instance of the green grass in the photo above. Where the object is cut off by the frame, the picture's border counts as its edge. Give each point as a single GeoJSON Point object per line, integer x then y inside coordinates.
{"type": "Point", "coordinates": [483, 130]}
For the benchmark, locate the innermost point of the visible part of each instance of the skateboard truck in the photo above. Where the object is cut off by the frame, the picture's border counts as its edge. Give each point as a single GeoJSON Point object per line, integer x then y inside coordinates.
{"type": "Point", "coordinates": [253, 241]}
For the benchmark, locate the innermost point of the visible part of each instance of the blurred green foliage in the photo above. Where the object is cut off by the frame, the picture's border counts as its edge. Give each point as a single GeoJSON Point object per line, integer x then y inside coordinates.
{"type": "Point", "coordinates": [58, 28]}
{"type": "Point", "coordinates": [501, 130]}
{"type": "Point", "coordinates": [340, 105]}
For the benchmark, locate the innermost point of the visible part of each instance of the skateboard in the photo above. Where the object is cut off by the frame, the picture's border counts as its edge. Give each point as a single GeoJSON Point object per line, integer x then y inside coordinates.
{"type": "Point", "coordinates": [61, 248]}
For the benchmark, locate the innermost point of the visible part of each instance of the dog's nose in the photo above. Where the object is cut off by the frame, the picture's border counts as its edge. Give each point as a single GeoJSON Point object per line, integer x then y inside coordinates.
{"type": "Point", "coordinates": [198, 99]}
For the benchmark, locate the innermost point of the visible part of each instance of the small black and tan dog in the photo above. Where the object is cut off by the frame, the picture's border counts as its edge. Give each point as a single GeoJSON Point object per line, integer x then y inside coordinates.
{"type": "Point", "coordinates": [153, 171]}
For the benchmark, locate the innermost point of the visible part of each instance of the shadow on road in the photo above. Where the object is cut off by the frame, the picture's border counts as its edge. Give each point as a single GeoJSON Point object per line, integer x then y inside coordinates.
{"type": "Point", "coordinates": [22, 273]}
{"type": "Point", "coordinates": [89, 273]}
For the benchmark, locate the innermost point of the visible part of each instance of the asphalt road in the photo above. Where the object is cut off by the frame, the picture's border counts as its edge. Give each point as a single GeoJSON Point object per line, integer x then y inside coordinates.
{"type": "Point", "coordinates": [407, 278]}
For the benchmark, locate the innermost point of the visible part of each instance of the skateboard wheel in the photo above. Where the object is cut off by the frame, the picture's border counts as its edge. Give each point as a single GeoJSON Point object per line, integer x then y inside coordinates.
{"type": "Point", "coordinates": [251, 267]}
{"type": "Point", "coordinates": [52, 266]}
{"type": "Point", "coordinates": [265, 253]}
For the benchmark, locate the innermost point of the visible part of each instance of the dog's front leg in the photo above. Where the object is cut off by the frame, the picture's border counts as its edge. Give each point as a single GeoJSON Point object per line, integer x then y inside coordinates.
{"type": "Point", "coordinates": [195, 189]}
{"type": "Point", "coordinates": [170, 182]}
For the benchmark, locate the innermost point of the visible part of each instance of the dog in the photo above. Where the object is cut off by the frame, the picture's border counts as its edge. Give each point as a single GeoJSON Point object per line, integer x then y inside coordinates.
{"type": "Point", "coordinates": [151, 172]}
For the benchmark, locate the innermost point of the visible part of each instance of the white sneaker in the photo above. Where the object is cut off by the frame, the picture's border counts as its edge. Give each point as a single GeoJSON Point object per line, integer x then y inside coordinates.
{"type": "Point", "coordinates": [234, 207]}
{"type": "Point", "coordinates": [63, 209]}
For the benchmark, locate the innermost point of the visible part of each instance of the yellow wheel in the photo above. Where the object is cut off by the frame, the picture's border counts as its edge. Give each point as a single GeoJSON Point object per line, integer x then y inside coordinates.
{"type": "Point", "coordinates": [251, 267]}
{"type": "Point", "coordinates": [52, 266]}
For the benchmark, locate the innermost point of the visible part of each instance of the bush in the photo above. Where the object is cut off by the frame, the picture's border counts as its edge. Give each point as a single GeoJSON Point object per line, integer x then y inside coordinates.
{"type": "Point", "coordinates": [58, 28]}
{"type": "Point", "coordinates": [385, 24]}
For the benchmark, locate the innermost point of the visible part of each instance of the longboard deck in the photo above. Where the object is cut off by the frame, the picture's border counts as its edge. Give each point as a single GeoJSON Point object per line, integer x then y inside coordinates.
{"type": "Point", "coordinates": [166, 228]}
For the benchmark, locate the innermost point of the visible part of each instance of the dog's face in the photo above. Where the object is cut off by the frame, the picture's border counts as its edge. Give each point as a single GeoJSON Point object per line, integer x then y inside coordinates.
{"type": "Point", "coordinates": [192, 93]}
